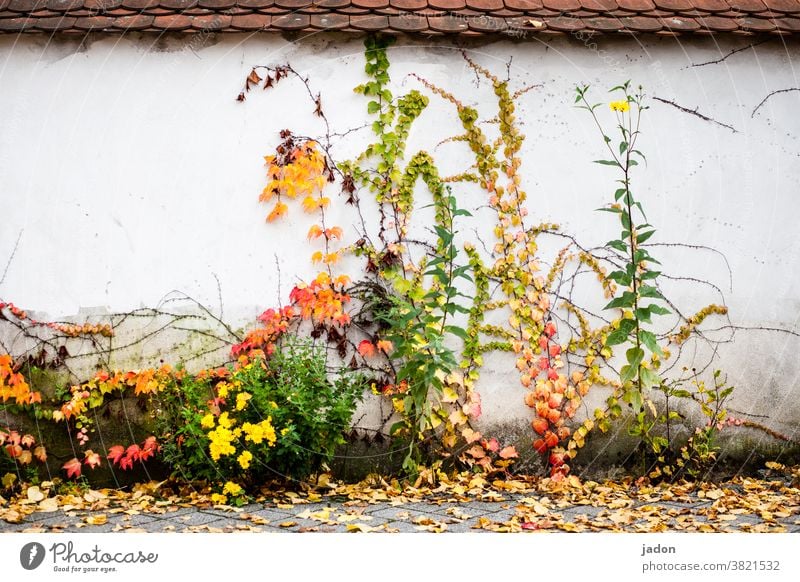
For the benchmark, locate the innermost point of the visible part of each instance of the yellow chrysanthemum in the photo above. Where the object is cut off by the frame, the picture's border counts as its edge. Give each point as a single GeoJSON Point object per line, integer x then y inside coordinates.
{"type": "Point", "coordinates": [244, 459]}
{"type": "Point", "coordinates": [263, 431]}
{"type": "Point", "coordinates": [207, 421]}
{"type": "Point", "coordinates": [222, 389]}
{"type": "Point", "coordinates": [220, 444]}
{"type": "Point", "coordinates": [620, 106]}
{"type": "Point", "coordinates": [218, 499]}
{"type": "Point", "coordinates": [241, 400]}
{"type": "Point", "coordinates": [225, 421]}
{"type": "Point", "coordinates": [232, 488]}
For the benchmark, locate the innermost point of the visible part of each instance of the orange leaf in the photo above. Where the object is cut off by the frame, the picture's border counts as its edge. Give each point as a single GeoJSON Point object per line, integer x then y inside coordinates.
{"type": "Point", "coordinates": [40, 453]}
{"type": "Point", "coordinates": [314, 232]}
{"type": "Point", "coordinates": [508, 452]}
{"type": "Point", "coordinates": [91, 459]}
{"type": "Point", "coordinates": [73, 468]}
{"type": "Point", "coordinates": [317, 257]}
{"type": "Point", "coordinates": [366, 348]}
{"type": "Point", "coordinates": [278, 211]}
{"type": "Point", "coordinates": [334, 232]}
{"type": "Point", "coordinates": [25, 458]}
{"type": "Point", "coordinates": [385, 346]}
{"type": "Point", "coordinates": [470, 435]}
{"type": "Point", "coordinates": [133, 452]}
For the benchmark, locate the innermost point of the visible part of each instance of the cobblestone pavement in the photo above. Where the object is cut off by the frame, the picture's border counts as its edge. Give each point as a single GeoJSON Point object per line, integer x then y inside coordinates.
{"type": "Point", "coordinates": [507, 513]}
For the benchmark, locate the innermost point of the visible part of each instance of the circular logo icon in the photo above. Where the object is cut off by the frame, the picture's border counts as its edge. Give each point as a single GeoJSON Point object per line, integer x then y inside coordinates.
{"type": "Point", "coordinates": [31, 555]}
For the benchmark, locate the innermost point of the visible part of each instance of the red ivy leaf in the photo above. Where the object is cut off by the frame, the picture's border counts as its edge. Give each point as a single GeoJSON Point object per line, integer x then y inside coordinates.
{"type": "Point", "coordinates": [73, 468]}
{"type": "Point", "coordinates": [115, 453]}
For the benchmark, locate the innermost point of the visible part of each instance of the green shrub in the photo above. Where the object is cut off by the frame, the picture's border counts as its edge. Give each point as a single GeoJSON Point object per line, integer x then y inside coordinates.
{"type": "Point", "coordinates": [280, 416]}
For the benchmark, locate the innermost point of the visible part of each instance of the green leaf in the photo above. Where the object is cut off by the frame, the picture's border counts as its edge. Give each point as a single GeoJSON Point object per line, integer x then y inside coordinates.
{"type": "Point", "coordinates": [644, 236]}
{"type": "Point", "coordinates": [648, 291]}
{"type": "Point", "coordinates": [457, 331]}
{"type": "Point", "coordinates": [648, 378]}
{"type": "Point", "coordinates": [649, 275]}
{"type": "Point", "coordinates": [648, 338]}
{"type": "Point", "coordinates": [634, 398]}
{"type": "Point", "coordinates": [373, 107]}
{"type": "Point", "coordinates": [643, 314]}
{"type": "Point", "coordinates": [621, 334]}
{"type": "Point", "coordinates": [620, 277]}
{"type": "Point", "coordinates": [627, 373]}
{"type": "Point", "coordinates": [617, 244]}
{"type": "Point", "coordinates": [619, 194]}
{"type": "Point", "coordinates": [658, 310]}
{"type": "Point", "coordinates": [635, 356]}
{"type": "Point", "coordinates": [626, 300]}
{"type": "Point", "coordinates": [606, 162]}
{"type": "Point", "coordinates": [622, 147]}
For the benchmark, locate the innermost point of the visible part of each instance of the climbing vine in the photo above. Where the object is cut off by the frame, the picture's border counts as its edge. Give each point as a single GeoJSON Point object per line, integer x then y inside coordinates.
{"type": "Point", "coordinates": [414, 322]}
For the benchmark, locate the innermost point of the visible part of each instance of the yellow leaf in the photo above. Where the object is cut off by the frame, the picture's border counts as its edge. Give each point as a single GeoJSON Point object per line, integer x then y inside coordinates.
{"type": "Point", "coordinates": [34, 494]}
{"type": "Point", "coordinates": [310, 204]}
{"type": "Point", "coordinates": [48, 505]}
{"type": "Point", "coordinates": [100, 519]}
{"type": "Point", "coordinates": [449, 395]}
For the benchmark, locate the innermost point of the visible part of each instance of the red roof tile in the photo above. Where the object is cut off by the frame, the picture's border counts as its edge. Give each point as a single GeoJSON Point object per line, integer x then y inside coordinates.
{"type": "Point", "coordinates": [518, 18]}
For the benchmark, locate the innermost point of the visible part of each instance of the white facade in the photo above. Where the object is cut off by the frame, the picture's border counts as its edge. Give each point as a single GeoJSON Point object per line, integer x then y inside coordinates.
{"type": "Point", "coordinates": [129, 171]}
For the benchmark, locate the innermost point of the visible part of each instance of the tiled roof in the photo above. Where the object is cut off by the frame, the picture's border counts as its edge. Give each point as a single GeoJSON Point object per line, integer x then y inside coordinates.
{"type": "Point", "coordinates": [518, 18]}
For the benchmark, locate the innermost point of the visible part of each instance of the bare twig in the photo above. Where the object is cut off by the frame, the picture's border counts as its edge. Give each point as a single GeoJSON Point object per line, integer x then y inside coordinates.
{"type": "Point", "coordinates": [696, 113]}
{"type": "Point", "coordinates": [764, 100]}
{"type": "Point", "coordinates": [11, 257]}
{"type": "Point", "coordinates": [730, 54]}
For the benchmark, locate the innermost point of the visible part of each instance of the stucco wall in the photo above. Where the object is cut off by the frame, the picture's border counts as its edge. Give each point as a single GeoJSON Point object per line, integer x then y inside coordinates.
{"type": "Point", "coordinates": [129, 172]}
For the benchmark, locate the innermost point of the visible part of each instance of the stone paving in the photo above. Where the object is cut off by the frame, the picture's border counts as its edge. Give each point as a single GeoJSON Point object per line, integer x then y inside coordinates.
{"type": "Point", "coordinates": [514, 512]}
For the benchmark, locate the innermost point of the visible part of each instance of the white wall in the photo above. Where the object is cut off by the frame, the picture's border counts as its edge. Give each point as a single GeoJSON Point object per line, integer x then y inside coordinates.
{"type": "Point", "coordinates": [128, 170]}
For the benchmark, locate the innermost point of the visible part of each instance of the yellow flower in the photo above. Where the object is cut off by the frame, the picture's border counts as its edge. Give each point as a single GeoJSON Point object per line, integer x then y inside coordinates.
{"type": "Point", "coordinates": [241, 400]}
{"type": "Point", "coordinates": [620, 106]}
{"type": "Point", "coordinates": [257, 433]}
{"type": "Point", "coordinates": [207, 421]}
{"type": "Point", "coordinates": [232, 488]}
{"type": "Point", "coordinates": [218, 499]}
{"type": "Point", "coordinates": [244, 459]}
{"type": "Point", "coordinates": [220, 444]}
{"type": "Point", "coordinates": [222, 389]}
{"type": "Point", "coordinates": [225, 421]}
